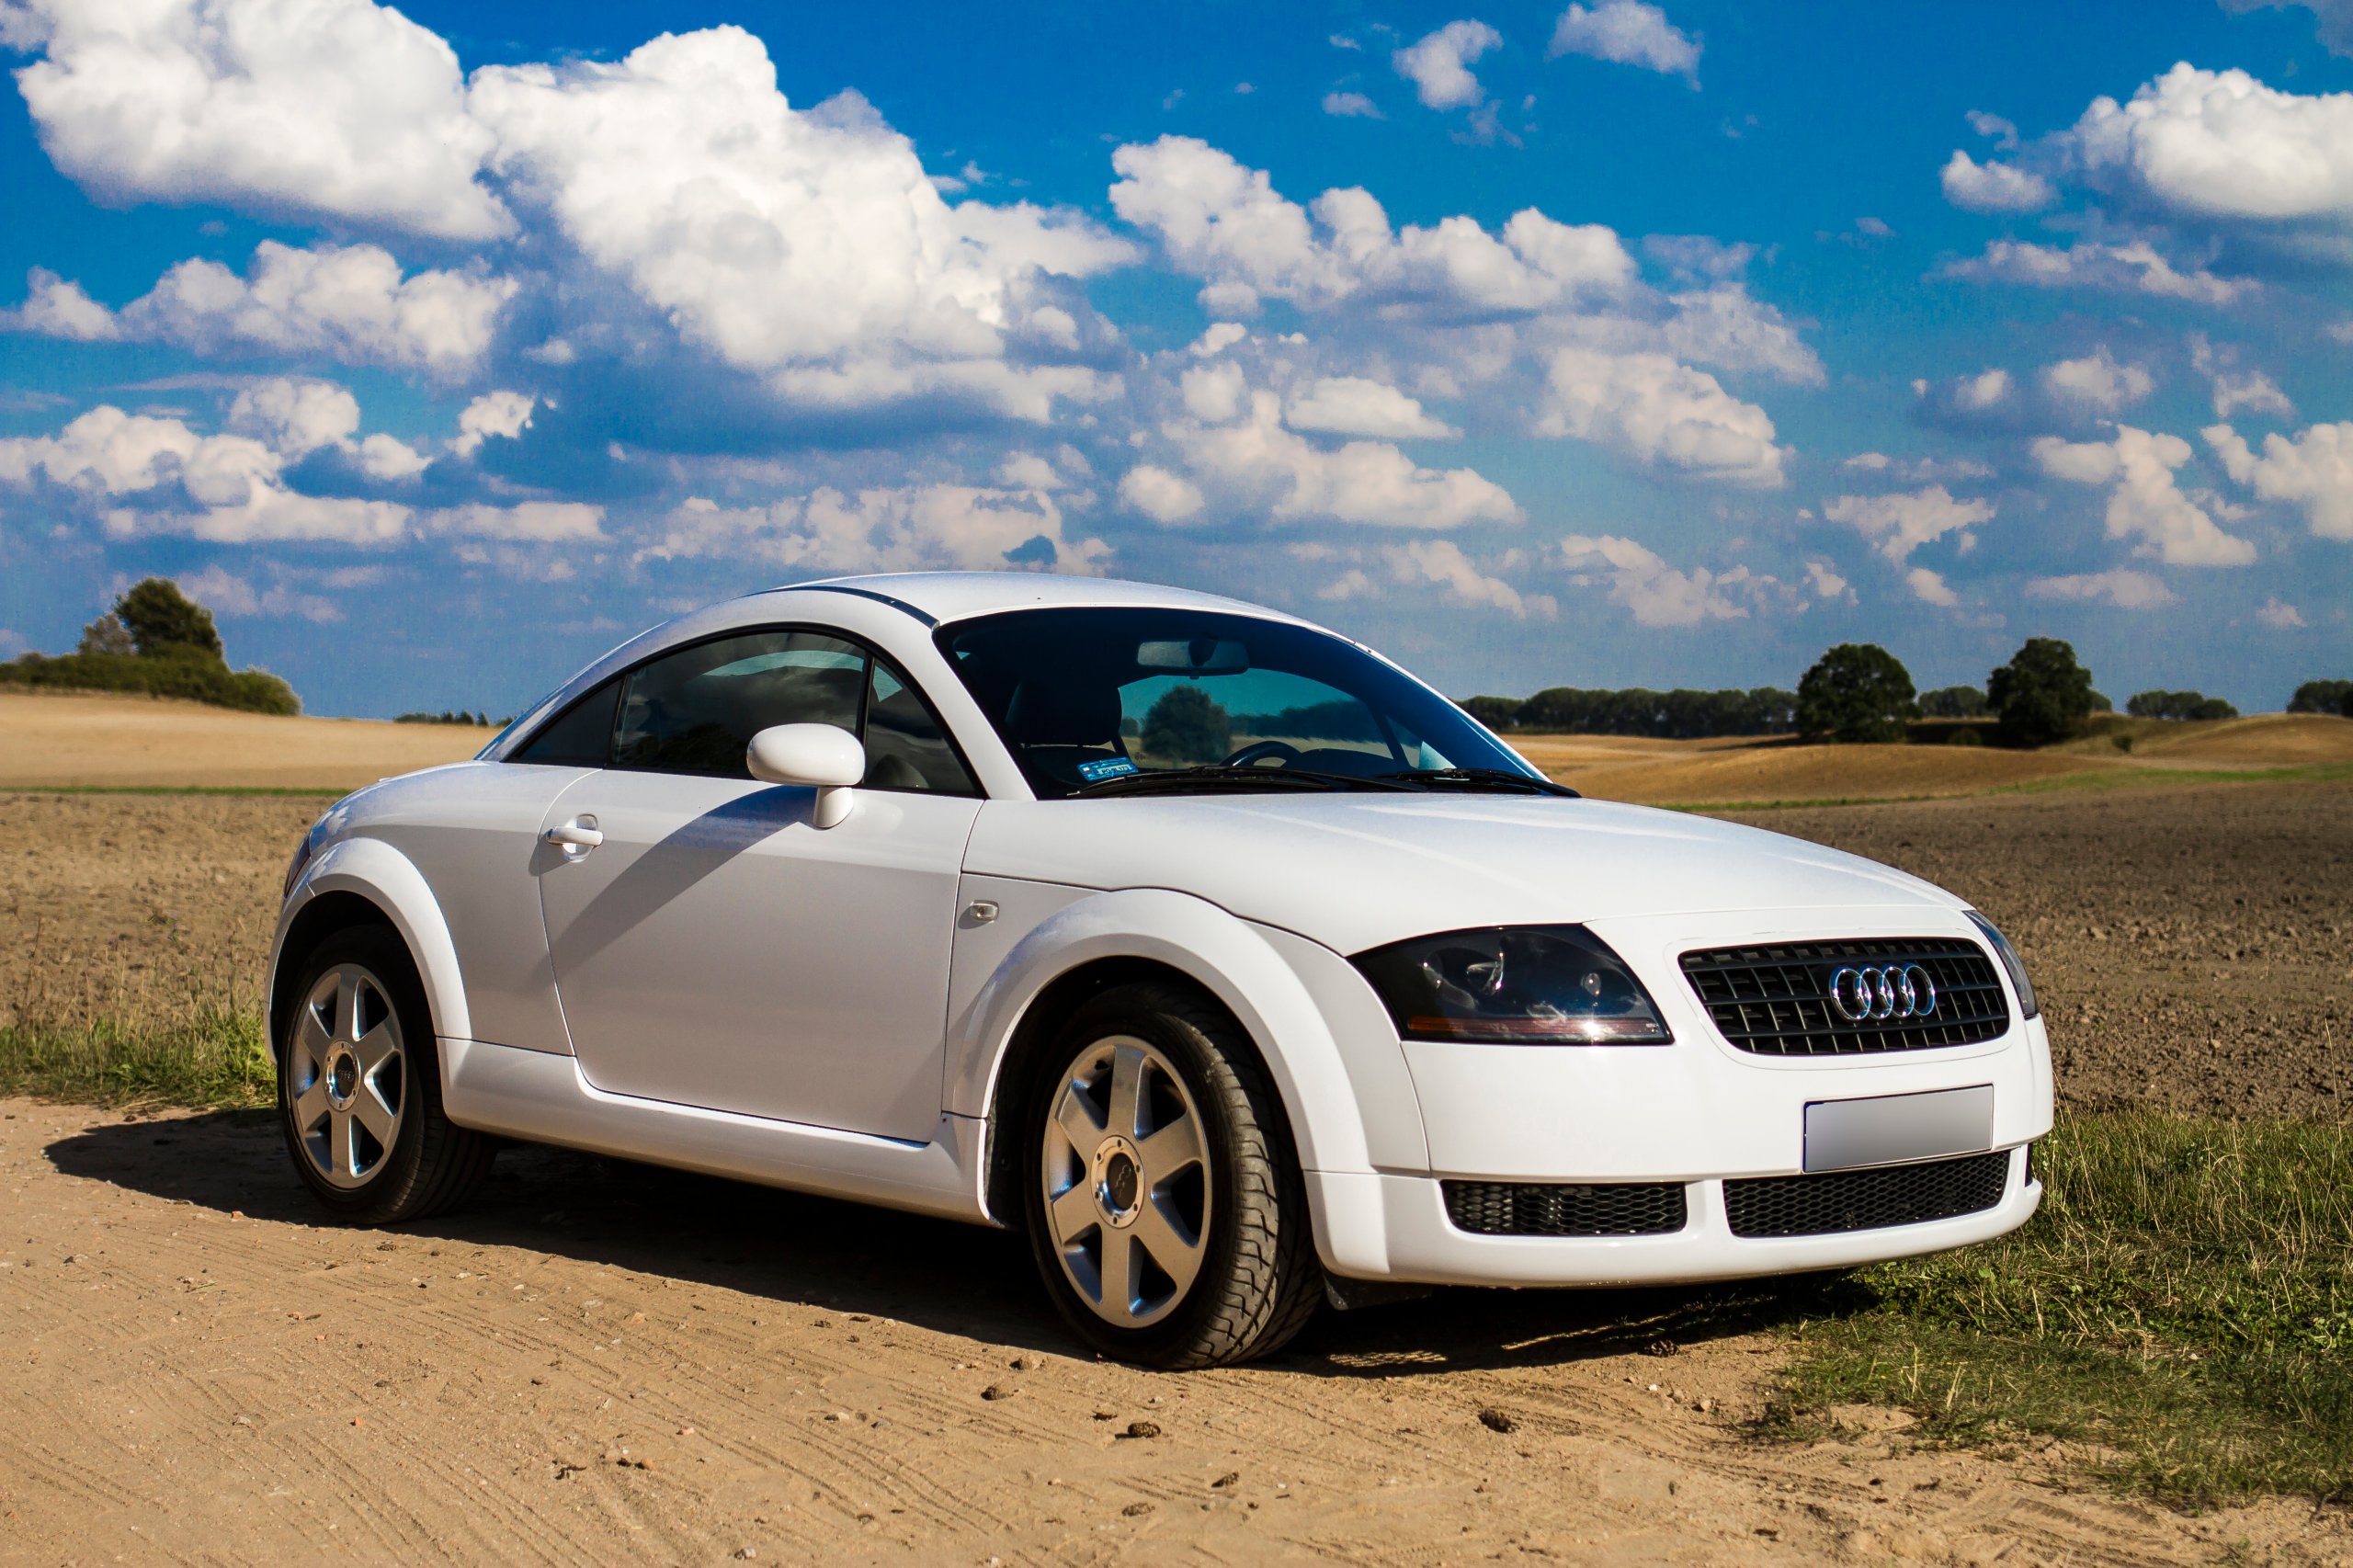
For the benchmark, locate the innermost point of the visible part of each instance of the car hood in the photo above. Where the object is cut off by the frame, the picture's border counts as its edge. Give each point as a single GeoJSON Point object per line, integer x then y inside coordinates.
{"type": "Point", "coordinates": [1356, 871]}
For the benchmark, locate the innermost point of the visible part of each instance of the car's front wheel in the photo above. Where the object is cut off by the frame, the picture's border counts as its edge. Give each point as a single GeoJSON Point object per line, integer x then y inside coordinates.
{"type": "Point", "coordinates": [1165, 1204]}
{"type": "Point", "coordinates": [359, 1087]}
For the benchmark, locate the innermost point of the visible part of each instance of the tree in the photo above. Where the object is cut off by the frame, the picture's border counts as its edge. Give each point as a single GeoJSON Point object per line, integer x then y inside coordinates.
{"type": "Point", "coordinates": [1857, 691]}
{"type": "Point", "coordinates": [1188, 726]}
{"type": "Point", "coordinates": [162, 619]}
{"type": "Point", "coordinates": [107, 637]}
{"type": "Point", "coordinates": [1495, 713]}
{"type": "Point", "coordinates": [2320, 697]}
{"type": "Point", "coordinates": [2179, 705]}
{"type": "Point", "coordinates": [2042, 695]}
{"type": "Point", "coordinates": [1954, 702]}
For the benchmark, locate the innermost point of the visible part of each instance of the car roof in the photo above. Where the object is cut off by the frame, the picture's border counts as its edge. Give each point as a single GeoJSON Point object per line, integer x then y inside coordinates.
{"type": "Point", "coordinates": [940, 597]}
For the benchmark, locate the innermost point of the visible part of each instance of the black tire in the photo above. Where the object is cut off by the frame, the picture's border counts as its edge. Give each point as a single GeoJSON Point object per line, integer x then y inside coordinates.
{"type": "Point", "coordinates": [1258, 1279]}
{"type": "Point", "coordinates": [431, 1162]}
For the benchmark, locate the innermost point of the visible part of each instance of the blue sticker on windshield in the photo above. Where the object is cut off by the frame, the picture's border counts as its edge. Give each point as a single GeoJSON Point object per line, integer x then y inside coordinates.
{"type": "Point", "coordinates": [1108, 768]}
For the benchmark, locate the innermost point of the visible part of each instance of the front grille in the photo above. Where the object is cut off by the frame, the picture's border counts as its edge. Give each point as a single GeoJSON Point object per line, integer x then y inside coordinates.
{"type": "Point", "coordinates": [1563, 1208]}
{"type": "Point", "coordinates": [1866, 1200]}
{"type": "Point", "coordinates": [1775, 1000]}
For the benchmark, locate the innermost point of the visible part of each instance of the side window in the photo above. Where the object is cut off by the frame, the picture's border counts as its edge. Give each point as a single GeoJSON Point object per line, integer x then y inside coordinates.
{"type": "Point", "coordinates": [696, 709]}
{"type": "Point", "coordinates": [905, 748]}
{"type": "Point", "coordinates": [582, 735]}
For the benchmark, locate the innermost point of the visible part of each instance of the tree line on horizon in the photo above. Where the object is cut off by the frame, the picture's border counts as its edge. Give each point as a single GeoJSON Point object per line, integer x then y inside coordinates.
{"type": "Point", "coordinates": [1860, 692]}
{"type": "Point", "coordinates": [156, 642]}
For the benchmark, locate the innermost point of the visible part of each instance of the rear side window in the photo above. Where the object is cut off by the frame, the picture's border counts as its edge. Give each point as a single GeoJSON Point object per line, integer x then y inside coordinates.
{"type": "Point", "coordinates": [582, 736]}
{"type": "Point", "coordinates": [695, 710]}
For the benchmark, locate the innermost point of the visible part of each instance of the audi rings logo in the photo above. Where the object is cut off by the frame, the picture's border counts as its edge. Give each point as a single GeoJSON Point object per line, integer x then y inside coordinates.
{"type": "Point", "coordinates": [1877, 994]}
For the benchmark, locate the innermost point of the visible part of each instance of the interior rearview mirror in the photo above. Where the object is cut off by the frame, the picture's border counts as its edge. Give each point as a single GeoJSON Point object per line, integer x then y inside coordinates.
{"type": "Point", "coordinates": [823, 755]}
{"type": "Point", "coordinates": [1200, 656]}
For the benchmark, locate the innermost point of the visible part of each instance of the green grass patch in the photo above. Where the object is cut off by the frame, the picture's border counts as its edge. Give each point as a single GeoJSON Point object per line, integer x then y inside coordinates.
{"type": "Point", "coordinates": [2183, 1303]}
{"type": "Point", "coordinates": [215, 1056]}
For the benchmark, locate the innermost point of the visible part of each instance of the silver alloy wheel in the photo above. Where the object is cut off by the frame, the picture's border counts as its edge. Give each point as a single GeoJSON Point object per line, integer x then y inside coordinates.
{"type": "Point", "coordinates": [1127, 1181]}
{"type": "Point", "coordinates": [346, 1076]}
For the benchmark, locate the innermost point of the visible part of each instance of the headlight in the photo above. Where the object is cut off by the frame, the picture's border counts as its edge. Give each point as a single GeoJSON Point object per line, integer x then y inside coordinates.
{"type": "Point", "coordinates": [2011, 961]}
{"type": "Point", "coordinates": [1513, 985]}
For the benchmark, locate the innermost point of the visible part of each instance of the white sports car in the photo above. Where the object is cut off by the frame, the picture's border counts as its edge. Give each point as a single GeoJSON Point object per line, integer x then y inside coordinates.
{"type": "Point", "coordinates": [1231, 963]}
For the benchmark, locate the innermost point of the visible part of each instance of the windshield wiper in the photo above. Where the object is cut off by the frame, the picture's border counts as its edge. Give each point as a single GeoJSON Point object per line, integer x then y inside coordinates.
{"type": "Point", "coordinates": [1484, 779]}
{"type": "Point", "coordinates": [1218, 775]}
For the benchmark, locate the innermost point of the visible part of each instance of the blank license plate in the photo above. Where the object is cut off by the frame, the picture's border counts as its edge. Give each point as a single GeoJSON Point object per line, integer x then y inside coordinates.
{"type": "Point", "coordinates": [1892, 1128]}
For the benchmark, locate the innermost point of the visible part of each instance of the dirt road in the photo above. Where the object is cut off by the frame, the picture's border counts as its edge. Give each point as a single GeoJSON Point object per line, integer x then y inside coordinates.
{"type": "Point", "coordinates": [599, 1363]}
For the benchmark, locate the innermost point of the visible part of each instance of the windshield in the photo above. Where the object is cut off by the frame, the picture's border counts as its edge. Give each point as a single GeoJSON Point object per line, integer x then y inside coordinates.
{"type": "Point", "coordinates": [1085, 697]}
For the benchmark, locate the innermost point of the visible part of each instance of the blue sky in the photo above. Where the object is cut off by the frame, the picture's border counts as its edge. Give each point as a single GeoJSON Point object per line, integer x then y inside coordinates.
{"type": "Point", "coordinates": [440, 349]}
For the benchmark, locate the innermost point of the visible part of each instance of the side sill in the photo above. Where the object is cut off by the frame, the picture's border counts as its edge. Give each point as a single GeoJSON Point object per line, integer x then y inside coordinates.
{"type": "Point", "coordinates": [540, 1097]}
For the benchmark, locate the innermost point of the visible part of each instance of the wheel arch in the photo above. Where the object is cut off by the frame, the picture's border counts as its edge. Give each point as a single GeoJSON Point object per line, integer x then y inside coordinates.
{"type": "Point", "coordinates": [365, 882]}
{"type": "Point", "coordinates": [1151, 935]}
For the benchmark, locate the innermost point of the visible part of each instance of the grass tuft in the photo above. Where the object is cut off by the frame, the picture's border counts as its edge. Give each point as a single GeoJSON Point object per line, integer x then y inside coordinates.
{"type": "Point", "coordinates": [2183, 1305]}
{"type": "Point", "coordinates": [215, 1055]}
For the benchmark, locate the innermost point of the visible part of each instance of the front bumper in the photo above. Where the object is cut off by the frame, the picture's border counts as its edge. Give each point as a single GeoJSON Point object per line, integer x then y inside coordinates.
{"type": "Point", "coordinates": [1390, 1227]}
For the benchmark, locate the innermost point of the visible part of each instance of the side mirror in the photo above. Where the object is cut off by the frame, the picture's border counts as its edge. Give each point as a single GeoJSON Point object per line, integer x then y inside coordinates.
{"type": "Point", "coordinates": [826, 756]}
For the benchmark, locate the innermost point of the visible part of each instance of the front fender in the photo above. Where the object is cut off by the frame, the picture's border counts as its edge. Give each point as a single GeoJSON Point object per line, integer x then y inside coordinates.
{"type": "Point", "coordinates": [387, 879]}
{"type": "Point", "coordinates": [1231, 958]}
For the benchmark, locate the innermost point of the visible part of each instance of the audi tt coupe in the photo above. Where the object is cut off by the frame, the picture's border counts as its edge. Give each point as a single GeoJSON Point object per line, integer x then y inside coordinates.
{"type": "Point", "coordinates": [1236, 966]}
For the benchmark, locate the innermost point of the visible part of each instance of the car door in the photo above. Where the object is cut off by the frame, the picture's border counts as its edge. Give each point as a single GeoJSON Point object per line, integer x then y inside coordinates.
{"type": "Point", "coordinates": [716, 948]}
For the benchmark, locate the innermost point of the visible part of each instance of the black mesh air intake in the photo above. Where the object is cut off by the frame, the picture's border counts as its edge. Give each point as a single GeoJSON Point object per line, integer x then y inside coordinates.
{"type": "Point", "coordinates": [1776, 999]}
{"type": "Point", "coordinates": [1867, 1199]}
{"type": "Point", "coordinates": [1563, 1208]}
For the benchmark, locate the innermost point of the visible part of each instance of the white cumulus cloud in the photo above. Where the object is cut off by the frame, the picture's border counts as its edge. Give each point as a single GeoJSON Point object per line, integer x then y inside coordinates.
{"type": "Point", "coordinates": [1440, 563]}
{"type": "Point", "coordinates": [1656, 594]}
{"type": "Point", "coordinates": [1357, 406]}
{"type": "Point", "coordinates": [348, 303]}
{"type": "Point", "coordinates": [1902, 522]}
{"type": "Point", "coordinates": [915, 527]}
{"type": "Point", "coordinates": [807, 244]}
{"type": "Point", "coordinates": [2312, 472]}
{"type": "Point", "coordinates": [2146, 504]}
{"type": "Point", "coordinates": [2221, 144]}
{"type": "Point", "coordinates": [2132, 268]}
{"type": "Point", "coordinates": [1994, 188]}
{"type": "Point", "coordinates": [1256, 463]}
{"type": "Point", "coordinates": [2278, 615]}
{"type": "Point", "coordinates": [1163, 497]}
{"type": "Point", "coordinates": [2097, 382]}
{"type": "Point", "coordinates": [2124, 588]}
{"type": "Point", "coordinates": [1628, 32]}
{"type": "Point", "coordinates": [1438, 64]}
{"type": "Point", "coordinates": [313, 109]}
{"type": "Point", "coordinates": [1661, 415]}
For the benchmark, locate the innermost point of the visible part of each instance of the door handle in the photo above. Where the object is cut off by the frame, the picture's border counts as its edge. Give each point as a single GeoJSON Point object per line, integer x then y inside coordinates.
{"type": "Point", "coordinates": [575, 838]}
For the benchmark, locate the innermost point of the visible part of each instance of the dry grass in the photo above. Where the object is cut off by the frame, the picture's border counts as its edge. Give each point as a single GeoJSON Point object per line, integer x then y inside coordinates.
{"type": "Point", "coordinates": [137, 742]}
{"type": "Point", "coordinates": [1726, 772]}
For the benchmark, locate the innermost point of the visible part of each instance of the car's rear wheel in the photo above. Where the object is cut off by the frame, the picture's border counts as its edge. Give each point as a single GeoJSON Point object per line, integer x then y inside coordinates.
{"type": "Point", "coordinates": [1163, 1203]}
{"type": "Point", "coordinates": [359, 1087]}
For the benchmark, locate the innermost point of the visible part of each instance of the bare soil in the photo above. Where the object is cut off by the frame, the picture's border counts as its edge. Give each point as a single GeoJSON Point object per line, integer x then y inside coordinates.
{"type": "Point", "coordinates": [596, 1361]}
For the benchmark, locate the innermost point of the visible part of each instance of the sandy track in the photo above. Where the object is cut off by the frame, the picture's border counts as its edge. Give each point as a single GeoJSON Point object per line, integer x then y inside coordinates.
{"type": "Point", "coordinates": [596, 1362]}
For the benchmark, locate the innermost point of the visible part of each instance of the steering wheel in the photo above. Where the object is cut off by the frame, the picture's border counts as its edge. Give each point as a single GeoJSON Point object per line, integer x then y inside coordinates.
{"type": "Point", "coordinates": [1257, 751]}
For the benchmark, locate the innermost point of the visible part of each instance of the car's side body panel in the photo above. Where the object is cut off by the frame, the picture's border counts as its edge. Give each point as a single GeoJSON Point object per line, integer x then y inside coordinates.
{"type": "Point", "coordinates": [372, 869]}
{"type": "Point", "coordinates": [1231, 959]}
{"type": "Point", "coordinates": [543, 1099]}
{"type": "Point", "coordinates": [472, 832]}
{"type": "Point", "coordinates": [719, 949]}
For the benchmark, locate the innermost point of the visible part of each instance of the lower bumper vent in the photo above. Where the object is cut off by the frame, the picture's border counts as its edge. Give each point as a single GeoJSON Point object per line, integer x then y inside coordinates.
{"type": "Point", "coordinates": [1559, 1209]}
{"type": "Point", "coordinates": [1867, 1200]}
